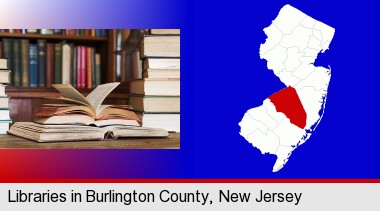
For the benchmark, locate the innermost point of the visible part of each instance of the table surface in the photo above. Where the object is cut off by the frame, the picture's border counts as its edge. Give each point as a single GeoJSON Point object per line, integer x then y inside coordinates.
{"type": "Point", "coordinates": [172, 142]}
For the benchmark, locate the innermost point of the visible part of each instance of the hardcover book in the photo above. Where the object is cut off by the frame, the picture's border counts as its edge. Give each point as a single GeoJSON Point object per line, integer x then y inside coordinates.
{"type": "Point", "coordinates": [160, 46]}
{"type": "Point", "coordinates": [5, 76]}
{"type": "Point", "coordinates": [157, 63]}
{"type": "Point", "coordinates": [58, 63]}
{"type": "Point", "coordinates": [167, 121]}
{"type": "Point", "coordinates": [161, 73]}
{"type": "Point", "coordinates": [155, 104]}
{"type": "Point", "coordinates": [164, 31]}
{"type": "Point", "coordinates": [3, 63]}
{"type": "Point", "coordinates": [25, 62]}
{"type": "Point", "coordinates": [33, 65]}
{"type": "Point", "coordinates": [149, 86]}
{"type": "Point", "coordinates": [41, 62]}
{"type": "Point", "coordinates": [50, 56]}
{"type": "Point", "coordinates": [55, 133]}
{"type": "Point", "coordinates": [16, 58]}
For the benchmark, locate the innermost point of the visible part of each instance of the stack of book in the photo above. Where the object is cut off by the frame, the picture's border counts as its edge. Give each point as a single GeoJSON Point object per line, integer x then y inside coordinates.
{"type": "Point", "coordinates": [42, 63]}
{"type": "Point", "coordinates": [5, 119]}
{"type": "Point", "coordinates": [82, 118]}
{"type": "Point", "coordinates": [156, 97]}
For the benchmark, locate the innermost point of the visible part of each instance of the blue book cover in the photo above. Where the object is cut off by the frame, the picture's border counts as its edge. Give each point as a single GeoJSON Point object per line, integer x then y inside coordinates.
{"type": "Point", "coordinates": [41, 62]}
{"type": "Point", "coordinates": [33, 65]}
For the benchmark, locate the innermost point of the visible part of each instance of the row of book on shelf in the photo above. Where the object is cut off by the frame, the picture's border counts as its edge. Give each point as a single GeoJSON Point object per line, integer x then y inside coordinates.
{"type": "Point", "coordinates": [42, 64]}
{"type": "Point", "coordinates": [5, 119]}
{"type": "Point", "coordinates": [71, 32]}
{"type": "Point", "coordinates": [156, 97]}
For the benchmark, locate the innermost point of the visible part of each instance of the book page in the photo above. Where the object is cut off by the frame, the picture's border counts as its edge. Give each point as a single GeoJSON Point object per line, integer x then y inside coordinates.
{"type": "Point", "coordinates": [97, 96]}
{"type": "Point", "coordinates": [70, 92]}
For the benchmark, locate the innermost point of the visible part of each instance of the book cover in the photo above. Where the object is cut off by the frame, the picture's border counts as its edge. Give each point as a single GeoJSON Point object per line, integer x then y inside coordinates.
{"type": "Point", "coordinates": [3, 63]}
{"type": "Point", "coordinates": [164, 31]}
{"type": "Point", "coordinates": [83, 69]}
{"type": "Point", "coordinates": [4, 102]}
{"type": "Point", "coordinates": [169, 122]}
{"type": "Point", "coordinates": [7, 51]}
{"type": "Point", "coordinates": [147, 86]}
{"type": "Point", "coordinates": [158, 63]}
{"type": "Point", "coordinates": [33, 65]}
{"type": "Point", "coordinates": [98, 68]}
{"type": "Point", "coordinates": [50, 78]}
{"type": "Point", "coordinates": [5, 76]}
{"type": "Point", "coordinates": [58, 63]}
{"type": "Point", "coordinates": [93, 70]}
{"type": "Point", "coordinates": [79, 67]}
{"type": "Point", "coordinates": [155, 104]}
{"type": "Point", "coordinates": [161, 73]}
{"type": "Point", "coordinates": [41, 62]}
{"type": "Point", "coordinates": [74, 65]}
{"type": "Point", "coordinates": [25, 62]}
{"type": "Point", "coordinates": [16, 60]}
{"type": "Point", "coordinates": [66, 63]}
{"type": "Point", "coordinates": [88, 67]}
{"type": "Point", "coordinates": [160, 46]}
{"type": "Point", "coordinates": [2, 90]}
{"type": "Point", "coordinates": [57, 31]}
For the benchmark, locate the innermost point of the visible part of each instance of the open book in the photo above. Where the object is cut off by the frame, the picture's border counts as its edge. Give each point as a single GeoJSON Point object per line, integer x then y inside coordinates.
{"type": "Point", "coordinates": [55, 133]}
{"type": "Point", "coordinates": [86, 110]}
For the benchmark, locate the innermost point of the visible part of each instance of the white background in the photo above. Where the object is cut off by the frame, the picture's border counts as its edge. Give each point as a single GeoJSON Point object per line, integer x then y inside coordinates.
{"type": "Point", "coordinates": [314, 196]}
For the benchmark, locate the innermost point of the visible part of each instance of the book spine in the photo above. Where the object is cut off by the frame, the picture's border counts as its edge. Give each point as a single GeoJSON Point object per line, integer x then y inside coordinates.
{"type": "Point", "coordinates": [89, 67]}
{"type": "Point", "coordinates": [66, 63]}
{"type": "Point", "coordinates": [33, 65]}
{"type": "Point", "coordinates": [41, 62]}
{"type": "Point", "coordinates": [70, 32]}
{"type": "Point", "coordinates": [16, 71]}
{"type": "Point", "coordinates": [82, 32]}
{"type": "Point", "coordinates": [46, 31]}
{"type": "Point", "coordinates": [58, 63]}
{"type": "Point", "coordinates": [50, 64]}
{"type": "Point", "coordinates": [75, 66]}
{"type": "Point", "coordinates": [31, 31]}
{"type": "Point", "coordinates": [1, 51]}
{"type": "Point", "coordinates": [7, 51]}
{"type": "Point", "coordinates": [93, 74]}
{"type": "Point", "coordinates": [83, 65]}
{"type": "Point", "coordinates": [57, 31]}
{"type": "Point", "coordinates": [79, 67]}
{"type": "Point", "coordinates": [3, 64]}
{"type": "Point", "coordinates": [98, 69]}
{"type": "Point", "coordinates": [104, 33]}
{"type": "Point", "coordinates": [25, 62]}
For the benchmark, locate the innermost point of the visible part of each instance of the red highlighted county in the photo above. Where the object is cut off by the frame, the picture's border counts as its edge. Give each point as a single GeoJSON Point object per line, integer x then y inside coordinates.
{"type": "Point", "coordinates": [288, 102]}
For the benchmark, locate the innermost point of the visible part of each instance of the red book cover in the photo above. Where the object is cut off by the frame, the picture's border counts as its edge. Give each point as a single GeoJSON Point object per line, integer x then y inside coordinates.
{"type": "Point", "coordinates": [49, 64]}
{"type": "Point", "coordinates": [84, 66]}
{"type": "Point", "coordinates": [79, 67]}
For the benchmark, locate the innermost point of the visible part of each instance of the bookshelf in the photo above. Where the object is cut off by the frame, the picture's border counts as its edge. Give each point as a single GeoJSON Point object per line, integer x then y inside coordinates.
{"type": "Point", "coordinates": [25, 101]}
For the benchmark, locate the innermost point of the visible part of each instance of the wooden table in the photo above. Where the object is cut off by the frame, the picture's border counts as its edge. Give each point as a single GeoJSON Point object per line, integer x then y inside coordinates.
{"type": "Point", "coordinates": [172, 142]}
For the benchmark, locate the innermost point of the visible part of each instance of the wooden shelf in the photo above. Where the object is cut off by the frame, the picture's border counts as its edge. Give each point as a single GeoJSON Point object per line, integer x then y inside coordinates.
{"type": "Point", "coordinates": [171, 142]}
{"type": "Point", "coordinates": [53, 37]}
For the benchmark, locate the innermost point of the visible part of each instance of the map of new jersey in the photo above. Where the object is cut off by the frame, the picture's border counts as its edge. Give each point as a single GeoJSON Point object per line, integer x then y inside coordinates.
{"type": "Point", "coordinates": [287, 118]}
